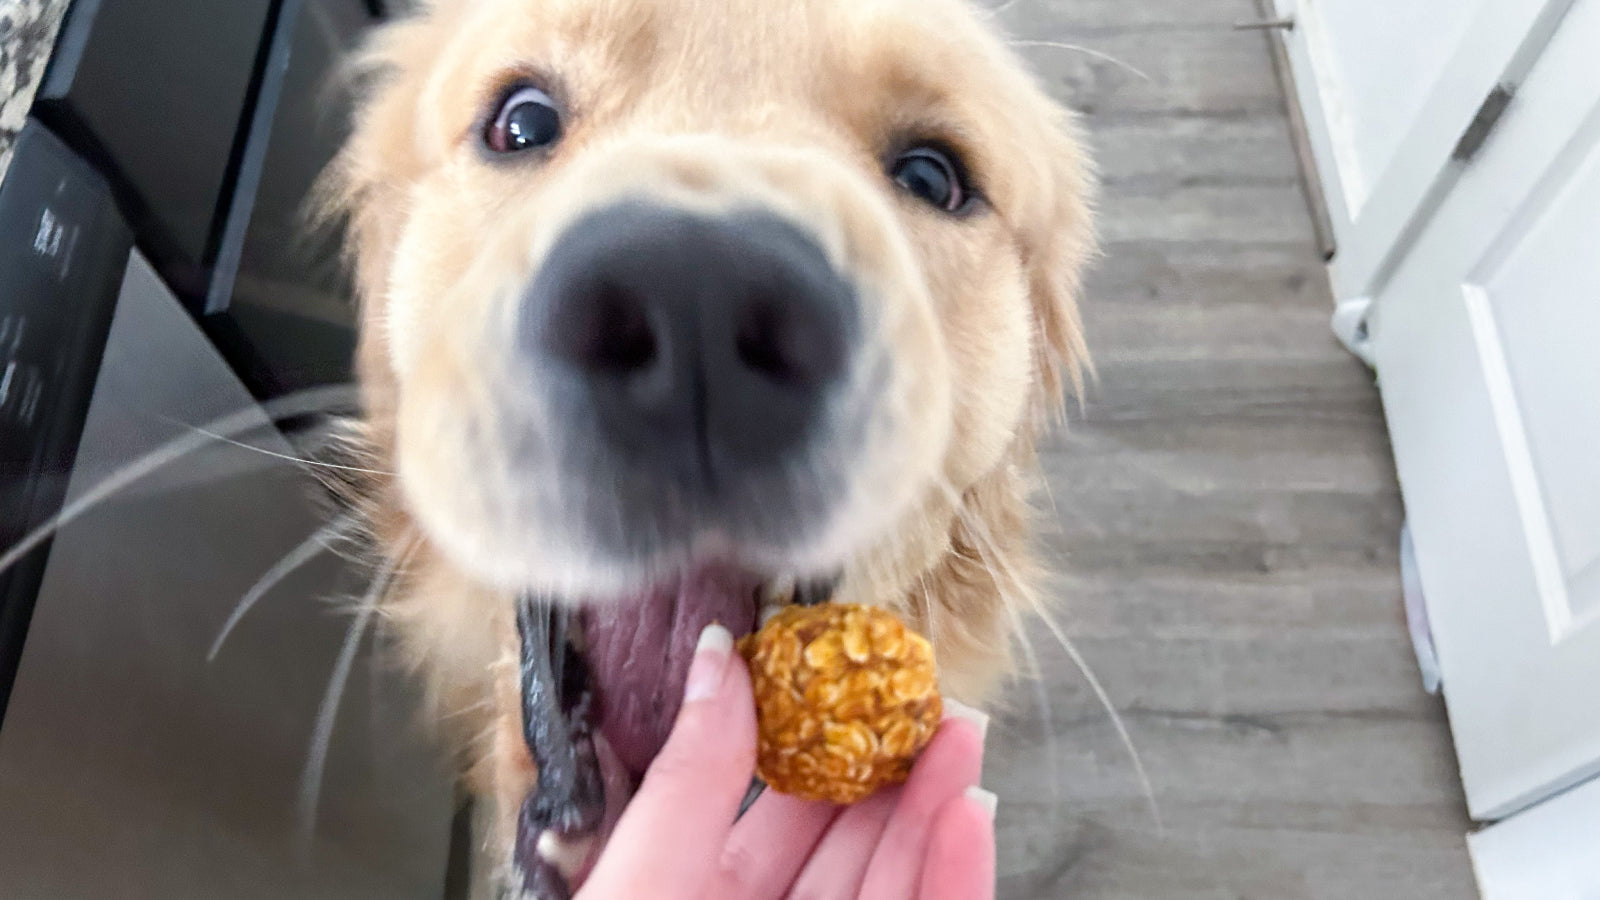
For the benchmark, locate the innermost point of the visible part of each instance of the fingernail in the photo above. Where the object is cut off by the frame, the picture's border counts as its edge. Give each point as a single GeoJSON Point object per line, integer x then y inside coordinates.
{"type": "Point", "coordinates": [985, 799]}
{"type": "Point", "coordinates": [710, 663]}
{"type": "Point", "coordinates": [955, 709]}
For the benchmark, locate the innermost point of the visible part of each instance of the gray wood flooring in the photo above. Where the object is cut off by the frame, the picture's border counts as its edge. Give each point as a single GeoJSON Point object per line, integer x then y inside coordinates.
{"type": "Point", "coordinates": [1226, 520]}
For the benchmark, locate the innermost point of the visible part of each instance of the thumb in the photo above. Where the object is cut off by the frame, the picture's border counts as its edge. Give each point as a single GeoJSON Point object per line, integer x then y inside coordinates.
{"type": "Point", "coordinates": [669, 842]}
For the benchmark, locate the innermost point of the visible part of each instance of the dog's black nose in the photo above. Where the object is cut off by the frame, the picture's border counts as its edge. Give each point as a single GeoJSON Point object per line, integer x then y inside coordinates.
{"type": "Point", "coordinates": [703, 346]}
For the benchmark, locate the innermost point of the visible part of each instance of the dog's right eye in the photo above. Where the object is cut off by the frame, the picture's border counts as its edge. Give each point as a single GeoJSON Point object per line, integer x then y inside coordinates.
{"type": "Point", "coordinates": [934, 176]}
{"type": "Point", "coordinates": [527, 120]}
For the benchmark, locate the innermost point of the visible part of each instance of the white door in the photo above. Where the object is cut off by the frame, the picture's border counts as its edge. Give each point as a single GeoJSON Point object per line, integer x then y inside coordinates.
{"type": "Point", "coordinates": [1547, 853]}
{"type": "Point", "coordinates": [1390, 93]}
{"type": "Point", "coordinates": [1487, 341]}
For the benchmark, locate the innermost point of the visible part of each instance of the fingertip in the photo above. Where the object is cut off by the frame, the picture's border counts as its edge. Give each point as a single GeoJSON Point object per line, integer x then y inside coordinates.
{"type": "Point", "coordinates": [677, 824]}
{"type": "Point", "coordinates": [960, 861]}
{"type": "Point", "coordinates": [958, 742]}
{"type": "Point", "coordinates": [717, 721]}
{"type": "Point", "coordinates": [956, 710]}
{"type": "Point", "coordinates": [718, 732]}
{"type": "Point", "coordinates": [712, 657]}
{"type": "Point", "coordinates": [951, 764]}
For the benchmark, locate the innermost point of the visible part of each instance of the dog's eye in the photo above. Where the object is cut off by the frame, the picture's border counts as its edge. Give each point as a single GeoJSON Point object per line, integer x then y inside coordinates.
{"type": "Point", "coordinates": [931, 175]}
{"type": "Point", "coordinates": [527, 119]}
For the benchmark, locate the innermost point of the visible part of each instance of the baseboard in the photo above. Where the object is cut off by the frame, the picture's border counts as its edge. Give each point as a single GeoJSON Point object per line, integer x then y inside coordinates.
{"type": "Point", "coordinates": [1310, 177]}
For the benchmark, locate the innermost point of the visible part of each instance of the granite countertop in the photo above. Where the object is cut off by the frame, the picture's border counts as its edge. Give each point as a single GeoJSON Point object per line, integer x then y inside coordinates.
{"type": "Point", "coordinates": [27, 37]}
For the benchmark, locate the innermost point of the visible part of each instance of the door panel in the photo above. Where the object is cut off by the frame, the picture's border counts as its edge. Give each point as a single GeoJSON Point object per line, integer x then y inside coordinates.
{"type": "Point", "coordinates": [1546, 853]}
{"type": "Point", "coordinates": [1485, 343]}
{"type": "Point", "coordinates": [1530, 323]}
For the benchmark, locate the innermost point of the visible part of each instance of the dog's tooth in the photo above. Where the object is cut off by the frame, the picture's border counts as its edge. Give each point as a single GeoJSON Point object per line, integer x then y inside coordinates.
{"type": "Point", "coordinates": [780, 591]}
{"type": "Point", "coordinates": [566, 854]}
{"type": "Point", "coordinates": [817, 591]}
{"type": "Point", "coordinates": [777, 594]}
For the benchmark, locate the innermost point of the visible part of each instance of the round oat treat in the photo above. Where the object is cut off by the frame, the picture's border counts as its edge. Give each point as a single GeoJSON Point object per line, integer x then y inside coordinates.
{"type": "Point", "coordinates": [846, 697]}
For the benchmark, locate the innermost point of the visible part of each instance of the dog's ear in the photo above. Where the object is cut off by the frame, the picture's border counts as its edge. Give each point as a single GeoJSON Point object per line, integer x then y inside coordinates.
{"type": "Point", "coordinates": [1058, 241]}
{"type": "Point", "coordinates": [367, 185]}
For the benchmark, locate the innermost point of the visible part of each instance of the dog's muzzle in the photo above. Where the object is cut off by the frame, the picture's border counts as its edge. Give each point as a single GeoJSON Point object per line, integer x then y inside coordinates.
{"type": "Point", "coordinates": [702, 379]}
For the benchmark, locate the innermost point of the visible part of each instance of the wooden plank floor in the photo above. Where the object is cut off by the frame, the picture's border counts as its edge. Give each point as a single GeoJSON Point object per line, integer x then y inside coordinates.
{"type": "Point", "coordinates": [1226, 520]}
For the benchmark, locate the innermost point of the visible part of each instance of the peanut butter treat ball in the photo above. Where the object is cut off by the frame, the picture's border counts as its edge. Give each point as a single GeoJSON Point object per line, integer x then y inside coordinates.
{"type": "Point", "coordinates": [846, 698]}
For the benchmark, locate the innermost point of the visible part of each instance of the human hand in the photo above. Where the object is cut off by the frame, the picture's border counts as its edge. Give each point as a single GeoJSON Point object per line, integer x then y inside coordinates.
{"type": "Point", "coordinates": [929, 839]}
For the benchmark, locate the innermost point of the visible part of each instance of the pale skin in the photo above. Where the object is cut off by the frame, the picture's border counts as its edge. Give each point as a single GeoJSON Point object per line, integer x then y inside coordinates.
{"type": "Point", "coordinates": [930, 839]}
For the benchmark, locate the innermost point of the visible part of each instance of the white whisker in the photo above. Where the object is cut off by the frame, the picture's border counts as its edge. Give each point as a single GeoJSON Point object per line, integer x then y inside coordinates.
{"type": "Point", "coordinates": [996, 11]}
{"type": "Point", "coordinates": [469, 709]}
{"type": "Point", "coordinates": [1087, 51]}
{"type": "Point", "coordinates": [1117, 721]}
{"type": "Point", "coordinates": [297, 404]}
{"type": "Point", "coordinates": [308, 550]}
{"type": "Point", "coordinates": [275, 454]}
{"type": "Point", "coordinates": [1041, 697]}
{"type": "Point", "coordinates": [928, 601]}
{"type": "Point", "coordinates": [328, 712]}
{"type": "Point", "coordinates": [981, 534]}
{"type": "Point", "coordinates": [1050, 495]}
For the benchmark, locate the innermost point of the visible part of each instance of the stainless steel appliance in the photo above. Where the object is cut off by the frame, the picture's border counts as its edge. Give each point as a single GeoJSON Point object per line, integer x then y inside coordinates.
{"type": "Point", "coordinates": [152, 279]}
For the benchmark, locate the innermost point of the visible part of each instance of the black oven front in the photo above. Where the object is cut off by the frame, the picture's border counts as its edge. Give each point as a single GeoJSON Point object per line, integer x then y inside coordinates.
{"type": "Point", "coordinates": [156, 273]}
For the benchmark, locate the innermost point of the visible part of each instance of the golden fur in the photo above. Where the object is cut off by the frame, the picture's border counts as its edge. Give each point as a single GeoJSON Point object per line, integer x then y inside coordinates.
{"type": "Point", "coordinates": [786, 104]}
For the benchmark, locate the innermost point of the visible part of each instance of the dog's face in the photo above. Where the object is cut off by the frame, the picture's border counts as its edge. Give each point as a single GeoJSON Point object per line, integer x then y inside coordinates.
{"type": "Point", "coordinates": [672, 304]}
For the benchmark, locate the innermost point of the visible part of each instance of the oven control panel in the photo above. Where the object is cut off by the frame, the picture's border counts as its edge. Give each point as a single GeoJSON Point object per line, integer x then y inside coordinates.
{"type": "Point", "coordinates": [63, 250]}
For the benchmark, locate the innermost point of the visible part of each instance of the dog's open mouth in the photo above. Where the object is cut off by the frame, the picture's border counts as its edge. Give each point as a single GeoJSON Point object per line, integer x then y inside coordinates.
{"type": "Point", "coordinates": [601, 687]}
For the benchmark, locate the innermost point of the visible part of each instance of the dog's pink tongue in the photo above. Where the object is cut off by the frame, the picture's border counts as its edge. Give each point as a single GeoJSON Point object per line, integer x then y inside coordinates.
{"type": "Point", "coordinates": [640, 647]}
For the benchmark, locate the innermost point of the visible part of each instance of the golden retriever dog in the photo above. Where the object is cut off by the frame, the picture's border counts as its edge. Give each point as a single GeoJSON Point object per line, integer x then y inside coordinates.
{"type": "Point", "coordinates": [675, 310]}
